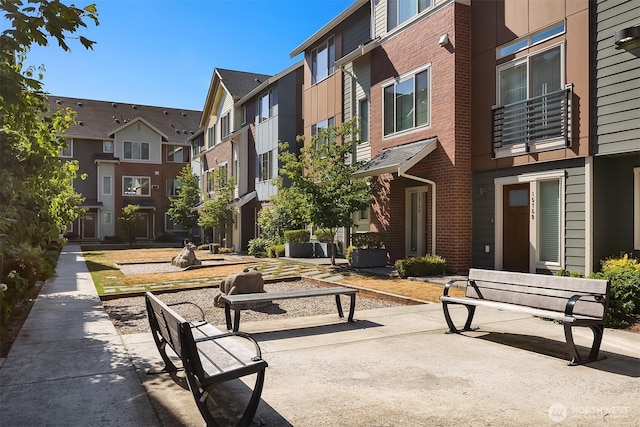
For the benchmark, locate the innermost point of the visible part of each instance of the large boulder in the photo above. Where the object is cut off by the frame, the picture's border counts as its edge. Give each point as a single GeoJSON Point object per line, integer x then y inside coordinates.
{"type": "Point", "coordinates": [186, 257]}
{"type": "Point", "coordinates": [247, 281]}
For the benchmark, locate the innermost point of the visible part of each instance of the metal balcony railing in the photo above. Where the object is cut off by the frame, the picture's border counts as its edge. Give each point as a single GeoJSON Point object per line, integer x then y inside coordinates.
{"type": "Point", "coordinates": [536, 119]}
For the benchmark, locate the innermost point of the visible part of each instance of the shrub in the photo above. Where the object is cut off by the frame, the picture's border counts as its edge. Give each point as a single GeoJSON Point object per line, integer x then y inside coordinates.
{"type": "Point", "coordinates": [259, 247]}
{"type": "Point", "coordinates": [368, 240]}
{"type": "Point", "coordinates": [225, 250]}
{"type": "Point", "coordinates": [276, 251]}
{"type": "Point", "coordinates": [324, 235]}
{"type": "Point", "coordinates": [430, 265]}
{"type": "Point", "coordinates": [297, 236]}
{"type": "Point", "coordinates": [204, 247]}
{"type": "Point", "coordinates": [623, 273]}
{"type": "Point", "coordinates": [347, 253]}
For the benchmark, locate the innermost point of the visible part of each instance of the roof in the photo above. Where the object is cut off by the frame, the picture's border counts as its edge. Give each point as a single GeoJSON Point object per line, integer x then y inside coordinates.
{"type": "Point", "coordinates": [397, 159]}
{"type": "Point", "coordinates": [328, 27]}
{"type": "Point", "coordinates": [99, 119]}
{"type": "Point", "coordinates": [271, 80]}
{"type": "Point", "coordinates": [240, 83]}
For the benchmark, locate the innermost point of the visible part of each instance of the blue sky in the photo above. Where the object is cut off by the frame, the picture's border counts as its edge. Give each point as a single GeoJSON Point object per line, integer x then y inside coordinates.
{"type": "Point", "coordinates": [163, 52]}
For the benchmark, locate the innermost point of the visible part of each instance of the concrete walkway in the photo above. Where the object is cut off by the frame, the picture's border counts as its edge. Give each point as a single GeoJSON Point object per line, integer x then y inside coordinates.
{"type": "Point", "coordinates": [392, 367]}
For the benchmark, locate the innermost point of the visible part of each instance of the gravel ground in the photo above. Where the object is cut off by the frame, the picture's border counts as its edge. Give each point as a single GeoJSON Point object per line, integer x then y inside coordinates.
{"type": "Point", "coordinates": [129, 315]}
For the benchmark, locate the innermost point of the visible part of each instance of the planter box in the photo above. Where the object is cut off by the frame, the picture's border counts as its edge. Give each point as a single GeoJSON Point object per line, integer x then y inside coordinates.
{"type": "Point", "coordinates": [368, 258]}
{"type": "Point", "coordinates": [298, 250]}
{"type": "Point", "coordinates": [323, 250]}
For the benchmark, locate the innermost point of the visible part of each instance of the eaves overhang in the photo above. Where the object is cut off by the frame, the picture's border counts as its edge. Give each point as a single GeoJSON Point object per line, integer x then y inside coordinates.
{"type": "Point", "coordinates": [397, 159]}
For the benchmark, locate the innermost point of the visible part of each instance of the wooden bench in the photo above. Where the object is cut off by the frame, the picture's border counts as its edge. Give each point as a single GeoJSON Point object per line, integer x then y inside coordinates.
{"type": "Point", "coordinates": [238, 302]}
{"type": "Point", "coordinates": [570, 300]}
{"type": "Point", "coordinates": [209, 356]}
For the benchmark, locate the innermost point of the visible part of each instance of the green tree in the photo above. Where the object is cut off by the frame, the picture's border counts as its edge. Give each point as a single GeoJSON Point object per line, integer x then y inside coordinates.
{"type": "Point", "coordinates": [321, 178]}
{"type": "Point", "coordinates": [286, 212]}
{"type": "Point", "coordinates": [215, 212]}
{"type": "Point", "coordinates": [130, 220]}
{"type": "Point", "coordinates": [182, 208]}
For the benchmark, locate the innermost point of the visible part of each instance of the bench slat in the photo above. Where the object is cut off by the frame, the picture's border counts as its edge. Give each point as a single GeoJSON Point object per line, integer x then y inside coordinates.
{"type": "Point", "coordinates": [577, 284]}
{"type": "Point", "coordinates": [269, 296]}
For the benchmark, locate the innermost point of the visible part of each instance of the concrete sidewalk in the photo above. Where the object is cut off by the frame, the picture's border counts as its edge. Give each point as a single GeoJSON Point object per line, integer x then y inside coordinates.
{"type": "Point", "coordinates": [392, 367]}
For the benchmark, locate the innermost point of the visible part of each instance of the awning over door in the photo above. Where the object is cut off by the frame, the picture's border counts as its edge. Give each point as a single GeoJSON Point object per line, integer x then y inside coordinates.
{"type": "Point", "coordinates": [243, 200]}
{"type": "Point", "coordinates": [397, 159]}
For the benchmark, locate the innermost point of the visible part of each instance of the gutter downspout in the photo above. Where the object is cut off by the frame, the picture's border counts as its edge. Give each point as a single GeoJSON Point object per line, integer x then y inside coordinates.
{"type": "Point", "coordinates": [402, 173]}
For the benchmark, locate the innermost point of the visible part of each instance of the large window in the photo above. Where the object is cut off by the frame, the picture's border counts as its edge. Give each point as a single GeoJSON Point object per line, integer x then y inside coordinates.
{"type": "Point", "coordinates": [322, 61]}
{"type": "Point", "coordinates": [136, 150]}
{"type": "Point", "coordinates": [406, 103]}
{"type": "Point", "coordinates": [400, 11]}
{"type": "Point", "coordinates": [173, 187]}
{"type": "Point", "coordinates": [177, 154]}
{"type": "Point", "coordinates": [265, 172]}
{"type": "Point", "coordinates": [264, 106]}
{"type": "Point", "coordinates": [136, 186]}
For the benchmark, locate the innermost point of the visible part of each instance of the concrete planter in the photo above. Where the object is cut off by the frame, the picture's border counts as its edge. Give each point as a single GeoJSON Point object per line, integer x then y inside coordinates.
{"type": "Point", "coordinates": [368, 258]}
{"type": "Point", "coordinates": [324, 250]}
{"type": "Point", "coordinates": [298, 250]}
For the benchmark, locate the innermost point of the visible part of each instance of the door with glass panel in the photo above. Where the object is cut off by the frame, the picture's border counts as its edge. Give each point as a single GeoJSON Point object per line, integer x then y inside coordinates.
{"type": "Point", "coordinates": [516, 244]}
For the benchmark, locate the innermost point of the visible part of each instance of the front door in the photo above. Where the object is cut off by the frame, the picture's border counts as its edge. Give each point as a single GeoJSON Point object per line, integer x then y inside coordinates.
{"type": "Point", "coordinates": [89, 226]}
{"type": "Point", "coordinates": [516, 227]}
{"type": "Point", "coordinates": [416, 221]}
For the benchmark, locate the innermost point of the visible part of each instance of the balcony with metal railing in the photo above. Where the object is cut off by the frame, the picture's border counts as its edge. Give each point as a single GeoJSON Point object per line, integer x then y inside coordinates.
{"type": "Point", "coordinates": [525, 123]}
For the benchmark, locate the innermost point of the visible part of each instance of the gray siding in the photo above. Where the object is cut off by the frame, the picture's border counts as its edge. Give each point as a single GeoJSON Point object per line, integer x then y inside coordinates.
{"type": "Point", "coordinates": [357, 29]}
{"type": "Point", "coordinates": [613, 207]}
{"type": "Point", "coordinates": [83, 151]}
{"type": "Point", "coordinates": [616, 79]}
{"type": "Point", "coordinates": [484, 212]}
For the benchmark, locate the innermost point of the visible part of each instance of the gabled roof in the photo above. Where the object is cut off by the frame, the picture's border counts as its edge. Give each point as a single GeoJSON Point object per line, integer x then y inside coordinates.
{"type": "Point", "coordinates": [236, 83]}
{"type": "Point", "coordinates": [138, 119]}
{"type": "Point", "coordinates": [397, 159]}
{"type": "Point", "coordinates": [100, 119]}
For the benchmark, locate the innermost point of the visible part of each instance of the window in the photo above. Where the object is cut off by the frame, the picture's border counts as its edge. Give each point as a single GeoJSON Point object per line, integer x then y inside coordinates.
{"type": "Point", "coordinates": [529, 41]}
{"type": "Point", "coordinates": [106, 185]}
{"type": "Point", "coordinates": [265, 172]}
{"type": "Point", "coordinates": [400, 11]}
{"type": "Point", "coordinates": [322, 61]}
{"type": "Point", "coordinates": [106, 218]}
{"type": "Point", "coordinates": [320, 130]}
{"type": "Point", "coordinates": [136, 186]}
{"type": "Point", "coordinates": [173, 187]}
{"type": "Point", "coordinates": [406, 103]}
{"type": "Point", "coordinates": [67, 150]}
{"type": "Point", "coordinates": [224, 126]}
{"type": "Point", "coordinates": [211, 136]}
{"type": "Point", "coordinates": [223, 171]}
{"type": "Point", "coordinates": [107, 146]}
{"type": "Point", "coordinates": [244, 114]}
{"type": "Point", "coordinates": [171, 225]}
{"type": "Point", "coordinates": [136, 150]}
{"type": "Point", "coordinates": [211, 183]}
{"type": "Point", "coordinates": [363, 107]}
{"type": "Point", "coordinates": [264, 107]}
{"type": "Point", "coordinates": [177, 154]}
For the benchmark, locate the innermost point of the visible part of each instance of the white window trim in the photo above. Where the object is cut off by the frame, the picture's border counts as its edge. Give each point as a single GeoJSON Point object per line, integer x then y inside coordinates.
{"type": "Point", "coordinates": [132, 159]}
{"type": "Point", "coordinates": [409, 21]}
{"type": "Point", "coordinates": [533, 179]}
{"type": "Point", "coordinates": [104, 192]}
{"type": "Point", "coordinates": [173, 146]}
{"type": "Point", "coordinates": [110, 216]}
{"type": "Point", "coordinates": [104, 146]}
{"type": "Point", "coordinates": [636, 208]}
{"type": "Point", "coordinates": [398, 80]}
{"type": "Point", "coordinates": [136, 195]}
{"type": "Point", "coordinates": [315, 51]}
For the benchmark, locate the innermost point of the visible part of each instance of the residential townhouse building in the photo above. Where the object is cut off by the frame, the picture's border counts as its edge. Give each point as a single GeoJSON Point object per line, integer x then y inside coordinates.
{"type": "Point", "coordinates": [246, 116]}
{"type": "Point", "coordinates": [229, 149]}
{"type": "Point", "coordinates": [615, 128]}
{"type": "Point", "coordinates": [408, 83]}
{"type": "Point", "coordinates": [531, 163]}
{"type": "Point", "coordinates": [127, 154]}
